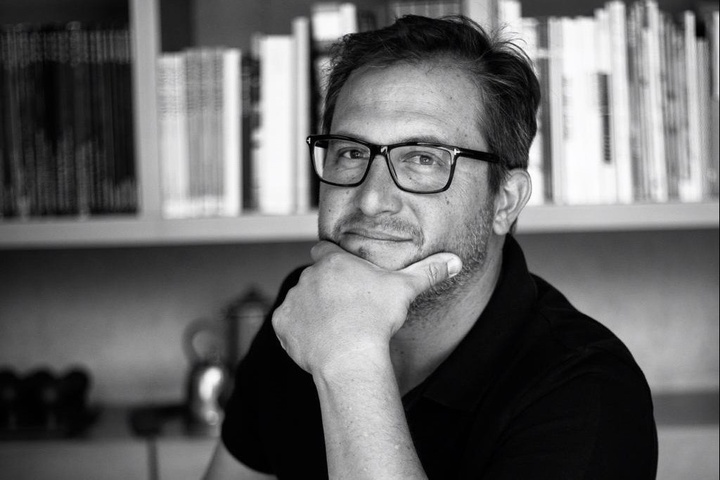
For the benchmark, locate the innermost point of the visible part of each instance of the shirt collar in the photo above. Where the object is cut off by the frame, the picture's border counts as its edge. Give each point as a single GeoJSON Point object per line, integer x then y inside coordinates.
{"type": "Point", "coordinates": [462, 379]}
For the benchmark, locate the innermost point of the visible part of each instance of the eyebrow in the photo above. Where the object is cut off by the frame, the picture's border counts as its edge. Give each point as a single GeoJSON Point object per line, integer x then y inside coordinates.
{"type": "Point", "coordinates": [414, 138]}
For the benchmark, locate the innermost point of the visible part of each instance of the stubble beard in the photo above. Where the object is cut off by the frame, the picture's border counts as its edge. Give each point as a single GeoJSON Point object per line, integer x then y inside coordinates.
{"type": "Point", "coordinates": [470, 245]}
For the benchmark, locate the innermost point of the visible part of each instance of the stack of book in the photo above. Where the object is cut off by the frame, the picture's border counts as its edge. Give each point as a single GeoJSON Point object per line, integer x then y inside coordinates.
{"type": "Point", "coordinates": [629, 110]}
{"type": "Point", "coordinates": [233, 124]}
{"type": "Point", "coordinates": [200, 132]}
{"type": "Point", "coordinates": [66, 127]}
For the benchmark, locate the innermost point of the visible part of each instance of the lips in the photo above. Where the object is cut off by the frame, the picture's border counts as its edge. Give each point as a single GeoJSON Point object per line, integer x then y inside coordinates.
{"type": "Point", "coordinates": [376, 235]}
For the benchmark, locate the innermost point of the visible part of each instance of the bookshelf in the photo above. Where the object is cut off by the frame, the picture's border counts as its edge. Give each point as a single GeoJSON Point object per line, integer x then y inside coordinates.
{"type": "Point", "coordinates": [130, 231]}
{"type": "Point", "coordinates": [147, 227]}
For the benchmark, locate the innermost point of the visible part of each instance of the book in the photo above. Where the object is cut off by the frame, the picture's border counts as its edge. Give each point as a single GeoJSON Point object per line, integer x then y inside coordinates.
{"type": "Point", "coordinates": [608, 166]}
{"type": "Point", "coordinates": [173, 133]}
{"type": "Point", "coordinates": [274, 162]}
{"type": "Point", "coordinates": [544, 135]}
{"type": "Point", "coordinates": [329, 22]}
{"type": "Point", "coordinates": [580, 146]}
{"type": "Point", "coordinates": [620, 101]}
{"type": "Point", "coordinates": [509, 18]}
{"type": "Point", "coordinates": [530, 39]}
{"type": "Point", "coordinates": [194, 205]}
{"type": "Point", "coordinates": [230, 201]}
{"type": "Point", "coordinates": [690, 181]}
{"type": "Point", "coordinates": [556, 102]}
{"type": "Point", "coordinates": [432, 9]}
{"type": "Point", "coordinates": [712, 171]}
{"type": "Point", "coordinates": [302, 108]}
{"type": "Point", "coordinates": [705, 95]}
{"type": "Point", "coordinates": [200, 126]}
{"type": "Point", "coordinates": [483, 12]}
{"type": "Point", "coordinates": [651, 88]}
{"type": "Point", "coordinates": [250, 95]}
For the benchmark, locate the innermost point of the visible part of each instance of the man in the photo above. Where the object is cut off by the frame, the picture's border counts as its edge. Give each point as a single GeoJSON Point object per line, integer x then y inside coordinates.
{"type": "Point", "coordinates": [417, 345]}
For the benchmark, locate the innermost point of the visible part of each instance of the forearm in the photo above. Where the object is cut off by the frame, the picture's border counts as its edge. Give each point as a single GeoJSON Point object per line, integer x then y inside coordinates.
{"type": "Point", "coordinates": [366, 433]}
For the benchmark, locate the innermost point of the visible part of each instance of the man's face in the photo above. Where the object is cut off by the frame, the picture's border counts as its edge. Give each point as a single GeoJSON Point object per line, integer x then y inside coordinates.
{"type": "Point", "coordinates": [376, 220]}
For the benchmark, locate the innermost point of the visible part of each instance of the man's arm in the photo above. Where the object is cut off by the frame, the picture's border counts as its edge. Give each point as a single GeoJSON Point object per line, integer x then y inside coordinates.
{"type": "Point", "coordinates": [336, 324]}
{"type": "Point", "coordinates": [223, 466]}
{"type": "Point", "coordinates": [366, 433]}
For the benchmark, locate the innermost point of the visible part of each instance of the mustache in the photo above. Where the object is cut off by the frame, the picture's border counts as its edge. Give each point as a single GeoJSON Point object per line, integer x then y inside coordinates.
{"type": "Point", "coordinates": [390, 225]}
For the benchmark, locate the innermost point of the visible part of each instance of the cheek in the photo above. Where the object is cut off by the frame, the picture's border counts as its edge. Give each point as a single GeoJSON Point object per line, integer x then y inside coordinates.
{"type": "Point", "coordinates": [332, 202]}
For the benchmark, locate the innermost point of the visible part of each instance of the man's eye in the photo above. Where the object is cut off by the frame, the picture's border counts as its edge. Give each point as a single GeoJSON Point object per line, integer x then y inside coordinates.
{"type": "Point", "coordinates": [352, 154]}
{"type": "Point", "coordinates": [423, 160]}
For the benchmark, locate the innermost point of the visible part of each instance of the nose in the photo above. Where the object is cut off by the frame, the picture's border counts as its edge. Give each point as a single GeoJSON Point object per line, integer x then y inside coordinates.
{"type": "Point", "coordinates": [378, 194]}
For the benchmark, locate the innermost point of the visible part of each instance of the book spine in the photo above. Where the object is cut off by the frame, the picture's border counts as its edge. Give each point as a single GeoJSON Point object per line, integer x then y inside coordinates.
{"type": "Point", "coordinates": [556, 110]}
{"type": "Point", "coordinates": [690, 185]}
{"type": "Point", "coordinates": [544, 119]}
{"type": "Point", "coordinates": [173, 135]}
{"type": "Point", "coordinates": [703, 75]}
{"type": "Point", "coordinates": [27, 84]}
{"type": "Point", "coordinates": [250, 121]}
{"type": "Point", "coordinates": [126, 168]}
{"type": "Point", "coordinates": [81, 107]}
{"type": "Point", "coordinates": [656, 154]}
{"type": "Point", "coordinates": [484, 12]}
{"type": "Point", "coordinates": [608, 167]}
{"type": "Point", "coordinates": [97, 160]}
{"type": "Point", "coordinates": [671, 114]}
{"type": "Point", "coordinates": [4, 160]}
{"type": "Point", "coordinates": [302, 108]}
{"type": "Point", "coordinates": [712, 173]}
{"type": "Point", "coordinates": [637, 147]}
{"type": "Point", "coordinates": [529, 36]}
{"type": "Point", "coordinates": [65, 137]}
{"type": "Point", "coordinates": [231, 204]}
{"type": "Point", "coordinates": [196, 131]}
{"type": "Point", "coordinates": [274, 163]}
{"type": "Point", "coordinates": [620, 101]}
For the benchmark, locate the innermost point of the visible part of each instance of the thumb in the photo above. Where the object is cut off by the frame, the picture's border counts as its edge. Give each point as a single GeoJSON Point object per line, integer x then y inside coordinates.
{"type": "Point", "coordinates": [432, 270]}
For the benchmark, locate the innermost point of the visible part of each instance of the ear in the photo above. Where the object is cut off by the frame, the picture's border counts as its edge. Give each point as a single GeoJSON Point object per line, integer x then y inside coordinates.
{"type": "Point", "coordinates": [511, 199]}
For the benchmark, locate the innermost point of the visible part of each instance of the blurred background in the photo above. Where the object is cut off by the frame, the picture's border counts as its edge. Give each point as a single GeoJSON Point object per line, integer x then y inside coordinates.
{"type": "Point", "coordinates": [132, 295]}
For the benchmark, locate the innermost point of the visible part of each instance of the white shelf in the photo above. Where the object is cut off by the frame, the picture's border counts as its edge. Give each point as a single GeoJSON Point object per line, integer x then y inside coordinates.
{"type": "Point", "coordinates": [130, 231]}
{"type": "Point", "coordinates": [608, 218]}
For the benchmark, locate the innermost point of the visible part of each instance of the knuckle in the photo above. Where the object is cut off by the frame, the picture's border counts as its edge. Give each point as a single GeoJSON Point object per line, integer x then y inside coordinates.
{"type": "Point", "coordinates": [433, 273]}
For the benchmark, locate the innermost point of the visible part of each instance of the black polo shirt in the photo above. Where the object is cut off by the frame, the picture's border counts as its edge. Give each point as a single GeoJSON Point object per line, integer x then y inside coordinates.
{"type": "Point", "coordinates": [535, 390]}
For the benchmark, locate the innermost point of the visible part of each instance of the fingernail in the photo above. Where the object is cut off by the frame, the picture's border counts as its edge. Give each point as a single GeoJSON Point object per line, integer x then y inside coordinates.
{"type": "Point", "coordinates": [454, 266]}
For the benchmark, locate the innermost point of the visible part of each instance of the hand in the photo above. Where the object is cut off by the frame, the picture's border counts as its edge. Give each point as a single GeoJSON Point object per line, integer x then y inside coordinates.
{"type": "Point", "coordinates": [345, 309]}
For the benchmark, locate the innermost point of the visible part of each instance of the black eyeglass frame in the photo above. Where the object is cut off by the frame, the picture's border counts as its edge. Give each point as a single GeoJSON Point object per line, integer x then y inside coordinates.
{"type": "Point", "coordinates": [384, 150]}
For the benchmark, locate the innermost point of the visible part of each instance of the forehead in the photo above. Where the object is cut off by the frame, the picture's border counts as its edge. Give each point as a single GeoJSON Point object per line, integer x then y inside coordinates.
{"type": "Point", "coordinates": [407, 101]}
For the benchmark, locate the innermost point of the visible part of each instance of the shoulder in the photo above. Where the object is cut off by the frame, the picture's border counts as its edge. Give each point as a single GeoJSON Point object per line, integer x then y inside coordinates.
{"type": "Point", "coordinates": [565, 352]}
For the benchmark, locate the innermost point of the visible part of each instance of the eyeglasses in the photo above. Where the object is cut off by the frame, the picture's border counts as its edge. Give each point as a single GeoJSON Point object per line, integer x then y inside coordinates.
{"type": "Point", "coordinates": [415, 167]}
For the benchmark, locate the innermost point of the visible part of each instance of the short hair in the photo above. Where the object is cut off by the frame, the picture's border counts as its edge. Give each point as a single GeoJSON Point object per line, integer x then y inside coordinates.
{"type": "Point", "coordinates": [508, 89]}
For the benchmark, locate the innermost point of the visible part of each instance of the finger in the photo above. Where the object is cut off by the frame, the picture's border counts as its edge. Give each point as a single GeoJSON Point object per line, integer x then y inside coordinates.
{"type": "Point", "coordinates": [433, 270]}
{"type": "Point", "coordinates": [324, 248]}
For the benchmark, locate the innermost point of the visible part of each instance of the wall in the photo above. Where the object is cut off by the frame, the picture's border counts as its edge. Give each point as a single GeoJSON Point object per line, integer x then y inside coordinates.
{"type": "Point", "coordinates": [121, 312]}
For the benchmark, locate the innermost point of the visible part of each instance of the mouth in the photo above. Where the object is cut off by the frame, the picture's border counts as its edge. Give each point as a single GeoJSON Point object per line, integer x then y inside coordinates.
{"type": "Point", "coordinates": [375, 235]}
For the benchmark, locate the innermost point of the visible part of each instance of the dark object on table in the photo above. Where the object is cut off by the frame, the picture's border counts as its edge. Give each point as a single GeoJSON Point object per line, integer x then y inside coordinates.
{"type": "Point", "coordinates": [44, 404]}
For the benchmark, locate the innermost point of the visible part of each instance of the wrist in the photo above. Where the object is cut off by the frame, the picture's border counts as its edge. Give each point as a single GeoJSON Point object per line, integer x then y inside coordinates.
{"type": "Point", "coordinates": [369, 363]}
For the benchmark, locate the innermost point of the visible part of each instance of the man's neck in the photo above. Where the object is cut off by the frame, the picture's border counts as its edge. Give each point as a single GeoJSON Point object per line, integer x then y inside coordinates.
{"type": "Point", "coordinates": [432, 333]}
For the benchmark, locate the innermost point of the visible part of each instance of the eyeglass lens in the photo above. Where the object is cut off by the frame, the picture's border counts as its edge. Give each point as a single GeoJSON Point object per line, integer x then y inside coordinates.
{"type": "Point", "coordinates": [416, 167]}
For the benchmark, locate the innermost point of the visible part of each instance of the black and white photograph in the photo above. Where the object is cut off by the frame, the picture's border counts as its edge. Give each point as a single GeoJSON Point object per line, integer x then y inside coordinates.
{"type": "Point", "coordinates": [359, 240]}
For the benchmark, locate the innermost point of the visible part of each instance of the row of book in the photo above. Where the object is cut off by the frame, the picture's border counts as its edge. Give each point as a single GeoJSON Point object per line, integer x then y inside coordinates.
{"type": "Point", "coordinates": [630, 105]}
{"type": "Point", "coordinates": [244, 149]}
{"type": "Point", "coordinates": [629, 110]}
{"type": "Point", "coordinates": [629, 98]}
{"type": "Point", "coordinates": [66, 126]}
